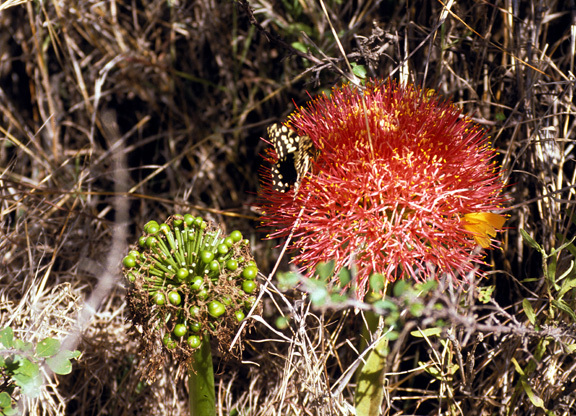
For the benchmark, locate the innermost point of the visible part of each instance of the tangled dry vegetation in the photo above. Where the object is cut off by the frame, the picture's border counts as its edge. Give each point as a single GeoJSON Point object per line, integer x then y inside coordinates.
{"type": "Point", "coordinates": [113, 113]}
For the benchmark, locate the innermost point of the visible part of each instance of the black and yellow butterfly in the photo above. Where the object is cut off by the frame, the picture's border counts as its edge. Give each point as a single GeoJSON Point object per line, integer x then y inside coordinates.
{"type": "Point", "coordinates": [294, 157]}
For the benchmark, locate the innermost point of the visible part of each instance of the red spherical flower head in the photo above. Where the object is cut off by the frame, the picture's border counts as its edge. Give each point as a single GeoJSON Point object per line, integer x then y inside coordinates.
{"type": "Point", "coordinates": [400, 184]}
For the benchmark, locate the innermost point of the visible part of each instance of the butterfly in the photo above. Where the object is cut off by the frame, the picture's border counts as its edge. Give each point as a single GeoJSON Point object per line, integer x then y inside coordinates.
{"type": "Point", "coordinates": [294, 157]}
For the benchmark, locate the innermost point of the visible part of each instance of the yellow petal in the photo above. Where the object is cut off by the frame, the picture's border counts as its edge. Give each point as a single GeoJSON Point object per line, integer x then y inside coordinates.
{"type": "Point", "coordinates": [483, 225]}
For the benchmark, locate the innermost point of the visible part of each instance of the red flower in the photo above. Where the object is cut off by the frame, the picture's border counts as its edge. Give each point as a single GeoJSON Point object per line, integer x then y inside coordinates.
{"type": "Point", "coordinates": [395, 173]}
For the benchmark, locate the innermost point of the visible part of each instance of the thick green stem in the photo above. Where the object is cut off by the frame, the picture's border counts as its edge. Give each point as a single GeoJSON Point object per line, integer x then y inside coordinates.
{"type": "Point", "coordinates": [201, 393]}
{"type": "Point", "coordinates": [369, 391]}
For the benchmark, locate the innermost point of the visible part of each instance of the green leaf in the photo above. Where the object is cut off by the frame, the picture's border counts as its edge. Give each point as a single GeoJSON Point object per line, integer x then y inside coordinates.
{"type": "Point", "coordinates": [392, 335]}
{"type": "Point", "coordinates": [282, 322]}
{"type": "Point", "coordinates": [338, 298]}
{"type": "Point", "coordinates": [61, 363]}
{"type": "Point", "coordinates": [369, 393]}
{"type": "Point", "coordinates": [319, 295]}
{"type": "Point", "coordinates": [400, 288]}
{"type": "Point", "coordinates": [359, 70]}
{"type": "Point", "coordinates": [28, 377]}
{"type": "Point", "coordinates": [344, 276]}
{"type": "Point", "coordinates": [551, 270]}
{"type": "Point", "coordinates": [11, 411]}
{"type": "Point", "coordinates": [427, 286]}
{"type": "Point", "coordinates": [428, 332]}
{"type": "Point", "coordinates": [300, 47]}
{"type": "Point", "coordinates": [485, 293]}
{"type": "Point", "coordinates": [431, 369]}
{"type": "Point", "coordinates": [7, 337]}
{"type": "Point", "coordinates": [531, 242]}
{"type": "Point", "coordinates": [568, 279]}
{"type": "Point", "coordinates": [541, 348]}
{"type": "Point", "coordinates": [23, 345]}
{"type": "Point", "coordinates": [500, 116]}
{"type": "Point", "coordinates": [5, 400]}
{"type": "Point", "coordinates": [392, 319]}
{"type": "Point", "coordinates": [325, 270]}
{"type": "Point", "coordinates": [452, 369]}
{"type": "Point", "coordinates": [287, 281]}
{"type": "Point", "coordinates": [47, 347]}
{"type": "Point", "coordinates": [416, 309]}
{"type": "Point", "coordinates": [530, 280]}
{"type": "Point", "coordinates": [26, 367]}
{"type": "Point", "coordinates": [564, 245]}
{"type": "Point", "coordinates": [376, 282]}
{"type": "Point", "coordinates": [570, 245]}
{"type": "Point", "coordinates": [563, 306]}
{"type": "Point", "coordinates": [6, 408]}
{"type": "Point", "coordinates": [385, 304]}
{"type": "Point", "coordinates": [536, 401]}
{"type": "Point", "coordinates": [517, 366]}
{"type": "Point", "coordinates": [570, 348]}
{"type": "Point", "coordinates": [12, 363]}
{"type": "Point", "coordinates": [529, 311]}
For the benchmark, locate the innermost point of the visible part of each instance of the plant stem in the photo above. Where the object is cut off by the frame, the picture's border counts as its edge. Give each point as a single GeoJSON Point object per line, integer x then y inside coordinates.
{"type": "Point", "coordinates": [201, 393]}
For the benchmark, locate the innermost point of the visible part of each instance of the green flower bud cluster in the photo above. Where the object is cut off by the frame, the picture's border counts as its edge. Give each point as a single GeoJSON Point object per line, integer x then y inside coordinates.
{"type": "Point", "coordinates": [188, 280]}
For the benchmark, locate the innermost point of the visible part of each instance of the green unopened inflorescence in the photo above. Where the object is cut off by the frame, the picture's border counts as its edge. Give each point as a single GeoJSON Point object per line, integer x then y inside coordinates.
{"type": "Point", "coordinates": [189, 281]}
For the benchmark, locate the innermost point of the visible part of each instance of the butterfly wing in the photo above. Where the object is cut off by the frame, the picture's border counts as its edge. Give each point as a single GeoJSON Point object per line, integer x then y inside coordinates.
{"type": "Point", "coordinates": [285, 142]}
{"type": "Point", "coordinates": [294, 157]}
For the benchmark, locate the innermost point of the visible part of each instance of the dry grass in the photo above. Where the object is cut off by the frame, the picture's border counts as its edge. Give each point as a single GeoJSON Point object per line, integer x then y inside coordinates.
{"type": "Point", "coordinates": [113, 113]}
